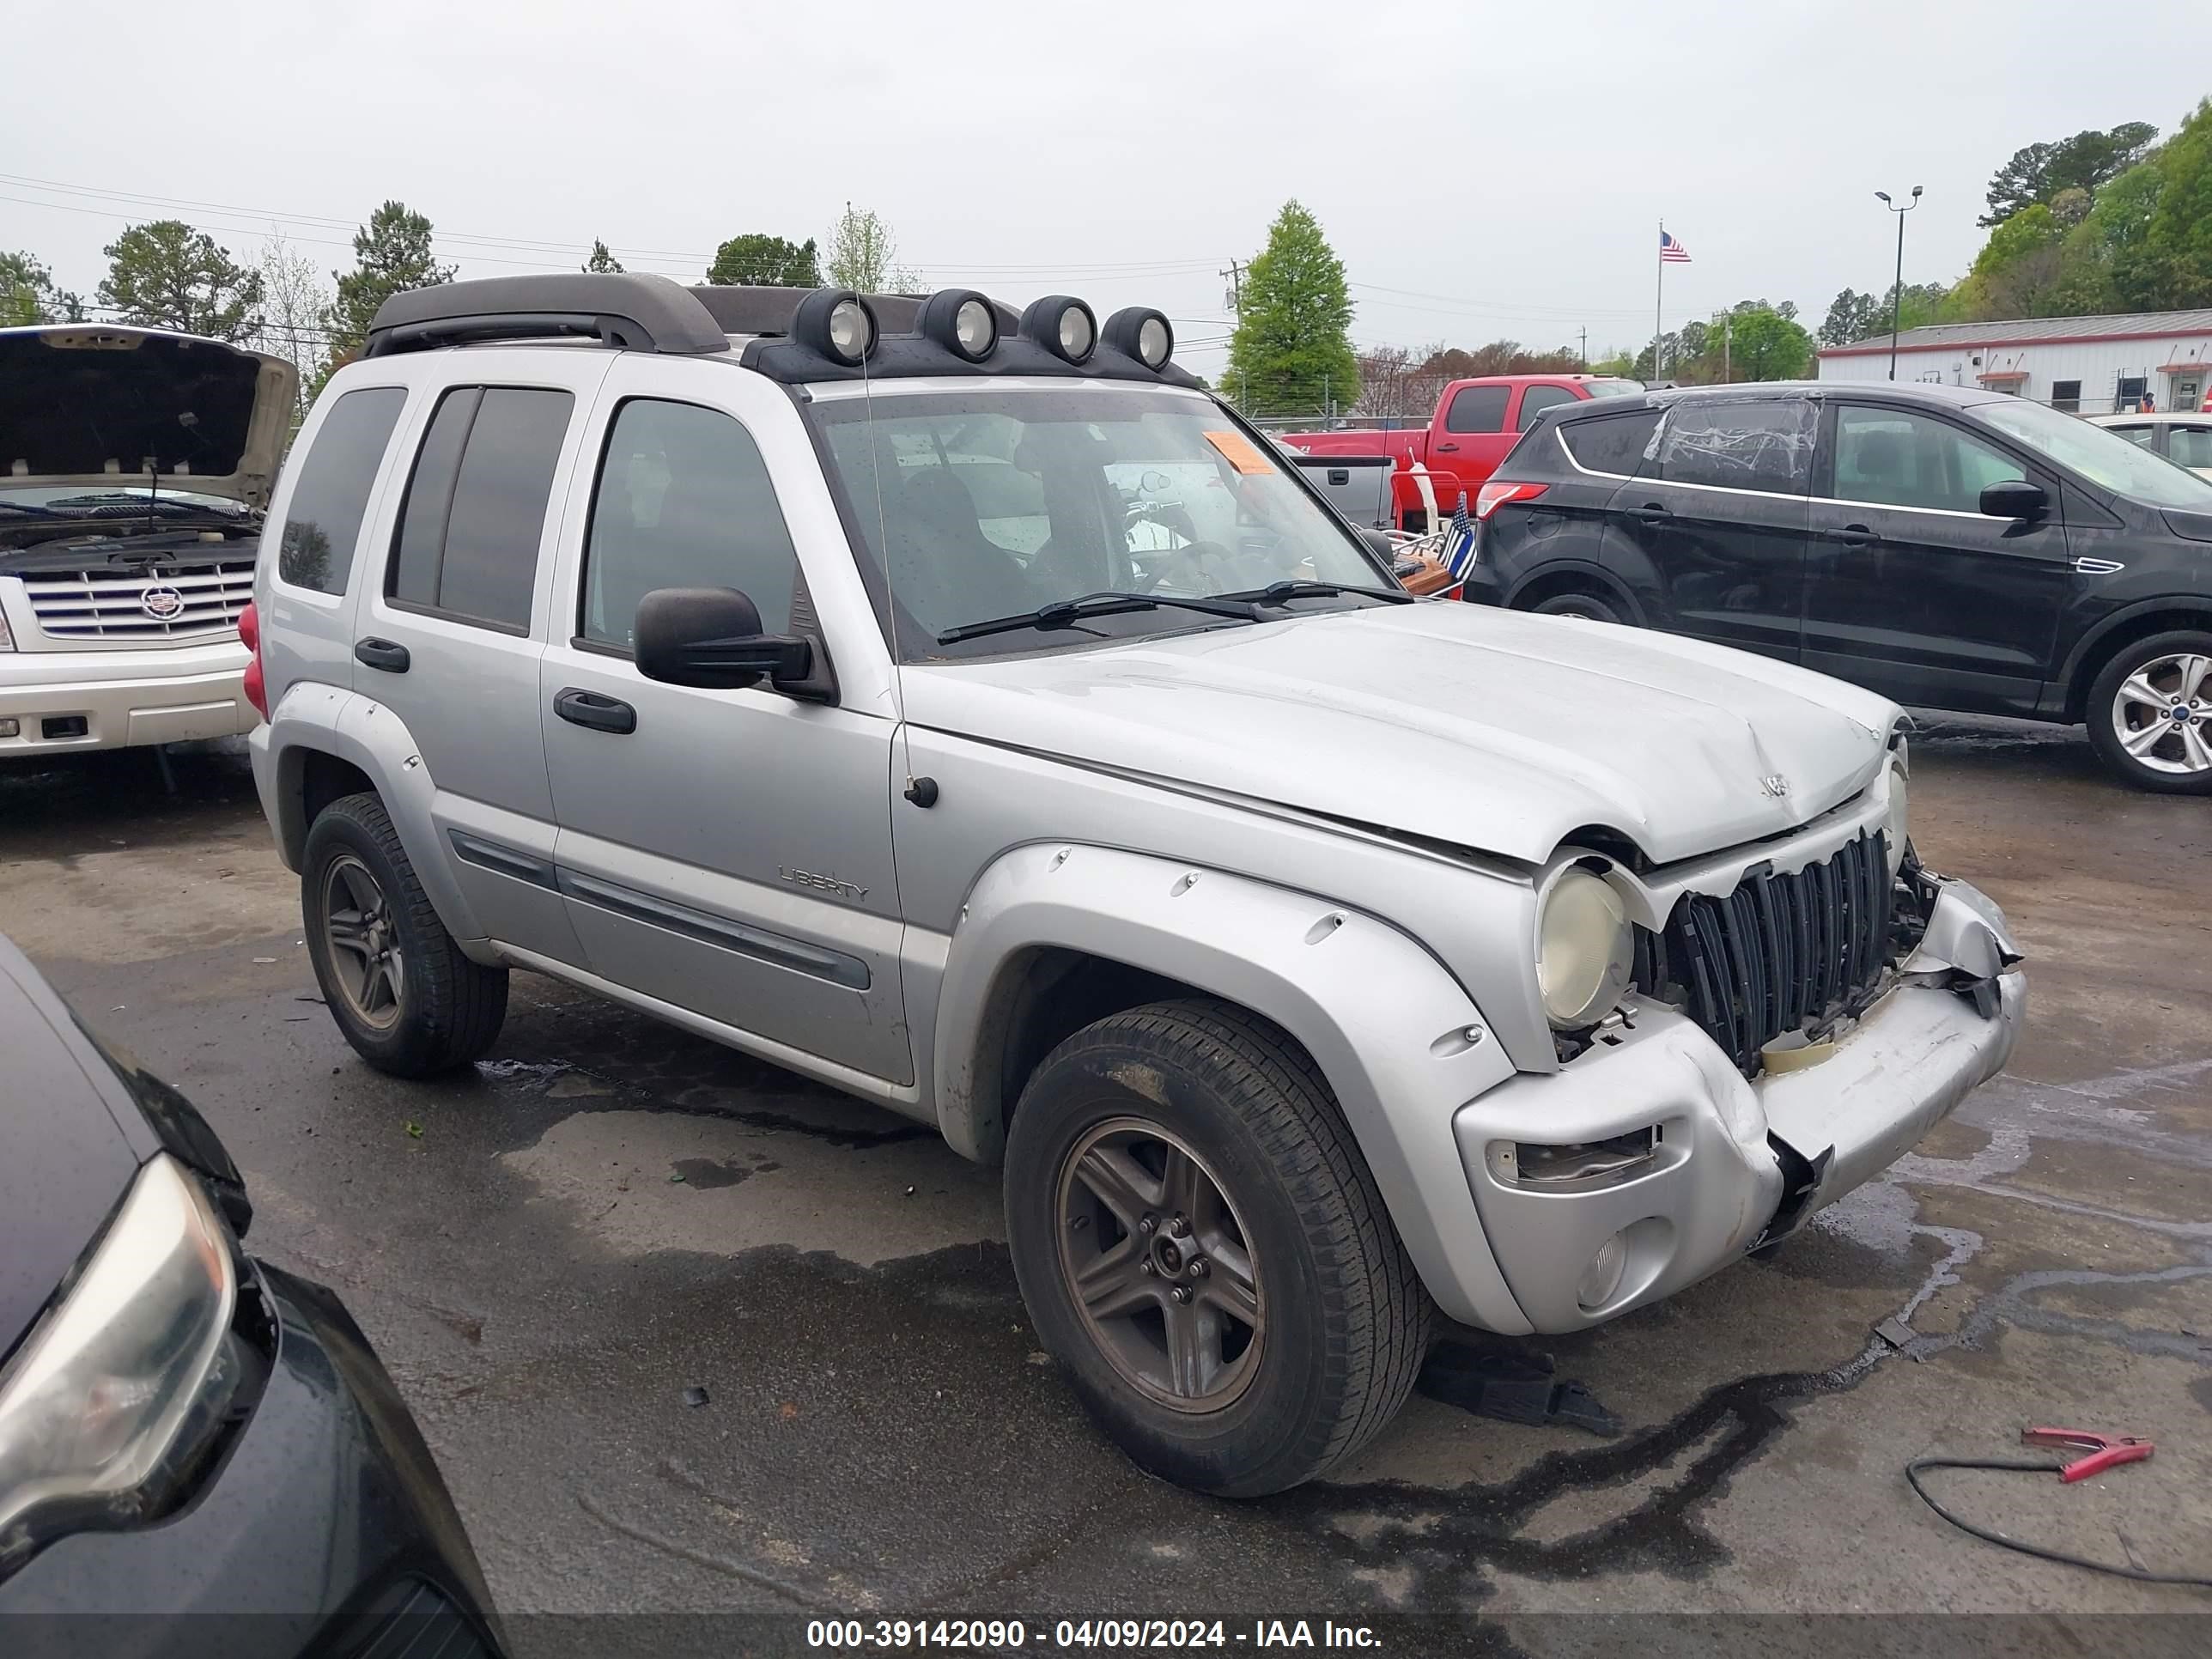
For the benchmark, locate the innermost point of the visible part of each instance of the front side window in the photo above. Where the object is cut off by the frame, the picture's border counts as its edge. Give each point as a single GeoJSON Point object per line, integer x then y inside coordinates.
{"type": "Point", "coordinates": [1763, 445]}
{"type": "Point", "coordinates": [1478, 408]}
{"type": "Point", "coordinates": [2104, 457]}
{"type": "Point", "coordinates": [1893, 458]}
{"type": "Point", "coordinates": [684, 499]}
{"type": "Point", "coordinates": [475, 513]}
{"type": "Point", "coordinates": [322, 521]}
{"type": "Point", "coordinates": [1538, 398]}
{"type": "Point", "coordinates": [2190, 446]}
{"type": "Point", "coordinates": [999, 501]}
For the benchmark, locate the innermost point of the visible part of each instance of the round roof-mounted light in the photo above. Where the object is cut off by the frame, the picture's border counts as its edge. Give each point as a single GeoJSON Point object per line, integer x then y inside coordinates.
{"type": "Point", "coordinates": [961, 320]}
{"type": "Point", "coordinates": [1063, 326]}
{"type": "Point", "coordinates": [1142, 333]}
{"type": "Point", "coordinates": [837, 322]}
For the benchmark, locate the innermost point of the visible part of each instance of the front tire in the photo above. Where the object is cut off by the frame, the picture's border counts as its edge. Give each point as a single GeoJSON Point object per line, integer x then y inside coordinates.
{"type": "Point", "coordinates": [397, 983]}
{"type": "Point", "coordinates": [2150, 713]}
{"type": "Point", "coordinates": [1202, 1248]}
{"type": "Point", "coordinates": [1586, 606]}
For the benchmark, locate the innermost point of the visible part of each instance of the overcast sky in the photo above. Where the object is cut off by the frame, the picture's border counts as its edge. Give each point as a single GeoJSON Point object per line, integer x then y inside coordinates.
{"type": "Point", "coordinates": [1485, 170]}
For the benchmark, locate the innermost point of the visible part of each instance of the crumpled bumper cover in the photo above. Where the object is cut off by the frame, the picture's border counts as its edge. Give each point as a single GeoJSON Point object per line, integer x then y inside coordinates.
{"type": "Point", "coordinates": [1732, 1164]}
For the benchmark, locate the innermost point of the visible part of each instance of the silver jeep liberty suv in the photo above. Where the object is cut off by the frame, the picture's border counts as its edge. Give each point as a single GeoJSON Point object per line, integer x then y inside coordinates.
{"type": "Point", "coordinates": [967, 711]}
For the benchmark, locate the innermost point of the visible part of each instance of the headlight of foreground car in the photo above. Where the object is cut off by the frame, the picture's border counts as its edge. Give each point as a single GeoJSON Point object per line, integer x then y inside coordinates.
{"type": "Point", "coordinates": [117, 1390]}
{"type": "Point", "coordinates": [1585, 949]}
{"type": "Point", "coordinates": [1896, 829]}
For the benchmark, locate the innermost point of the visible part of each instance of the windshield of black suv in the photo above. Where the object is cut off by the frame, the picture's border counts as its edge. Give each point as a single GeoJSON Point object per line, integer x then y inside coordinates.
{"type": "Point", "coordinates": [1004, 500]}
{"type": "Point", "coordinates": [1614, 388]}
{"type": "Point", "coordinates": [2103, 458]}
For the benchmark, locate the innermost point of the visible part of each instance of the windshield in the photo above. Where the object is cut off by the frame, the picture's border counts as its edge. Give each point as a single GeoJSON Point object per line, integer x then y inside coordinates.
{"type": "Point", "coordinates": [1001, 501]}
{"type": "Point", "coordinates": [1612, 388]}
{"type": "Point", "coordinates": [2103, 458]}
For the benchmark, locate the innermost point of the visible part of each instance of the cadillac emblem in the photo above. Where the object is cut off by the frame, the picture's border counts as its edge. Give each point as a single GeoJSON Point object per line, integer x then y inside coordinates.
{"type": "Point", "coordinates": [161, 602]}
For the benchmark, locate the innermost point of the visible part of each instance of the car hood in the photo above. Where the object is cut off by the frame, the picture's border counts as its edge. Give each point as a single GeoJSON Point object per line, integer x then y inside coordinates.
{"type": "Point", "coordinates": [92, 404]}
{"type": "Point", "coordinates": [1486, 729]}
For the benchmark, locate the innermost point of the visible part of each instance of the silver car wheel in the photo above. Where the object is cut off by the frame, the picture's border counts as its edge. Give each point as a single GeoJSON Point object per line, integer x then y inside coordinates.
{"type": "Point", "coordinates": [2161, 715]}
{"type": "Point", "coordinates": [364, 944]}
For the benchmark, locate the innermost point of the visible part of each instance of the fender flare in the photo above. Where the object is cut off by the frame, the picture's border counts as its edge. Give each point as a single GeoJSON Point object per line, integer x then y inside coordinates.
{"type": "Point", "coordinates": [331, 720]}
{"type": "Point", "coordinates": [1387, 1026]}
{"type": "Point", "coordinates": [1587, 569]}
{"type": "Point", "coordinates": [2075, 675]}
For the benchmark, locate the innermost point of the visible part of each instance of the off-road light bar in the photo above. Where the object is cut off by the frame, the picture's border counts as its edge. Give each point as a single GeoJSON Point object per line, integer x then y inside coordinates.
{"type": "Point", "coordinates": [1063, 326]}
{"type": "Point", "coordinates": [837, 322]}
{"type": "Point", "coordinates": [1142, 333]}
{"type": "Point", "coordinates": [961, 320]}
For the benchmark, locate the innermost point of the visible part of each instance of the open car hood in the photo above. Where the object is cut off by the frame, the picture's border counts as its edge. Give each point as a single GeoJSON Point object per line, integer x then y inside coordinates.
{"type": "Point", "coordinates": [96, 405]}
{"type": "Point", "coordinates": [1487, 729]}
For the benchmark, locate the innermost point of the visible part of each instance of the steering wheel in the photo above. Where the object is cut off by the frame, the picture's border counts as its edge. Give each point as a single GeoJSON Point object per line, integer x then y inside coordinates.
{"type": "Point", "coordinates": [1196, 566]}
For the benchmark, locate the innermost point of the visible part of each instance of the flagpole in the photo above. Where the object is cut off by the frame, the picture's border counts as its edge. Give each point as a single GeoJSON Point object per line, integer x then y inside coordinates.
{"type": "Point", "coordinates": [1658, 302]}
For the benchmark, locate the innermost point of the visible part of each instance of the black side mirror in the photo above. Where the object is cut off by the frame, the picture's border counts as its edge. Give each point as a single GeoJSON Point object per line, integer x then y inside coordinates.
{"type": "Point", "coordinates": [711, 636]}
{"type": "Point", "coordinates": [2014, 498]}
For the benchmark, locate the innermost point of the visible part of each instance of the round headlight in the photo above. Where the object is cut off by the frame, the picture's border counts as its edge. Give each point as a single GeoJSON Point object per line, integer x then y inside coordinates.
{"type": "Point", "coordinates": [1896, 828]}
{"type": "Point", "coordinates": [1142, 333]}
{"type": "Point", "coordinates": [961, 320]}
{"type": "Point", "coordinates": [1062, 324]}
{"type": "Point", "coordinates": [837, 322]}
{"type": "Point", "coordinates": [1585, 950]}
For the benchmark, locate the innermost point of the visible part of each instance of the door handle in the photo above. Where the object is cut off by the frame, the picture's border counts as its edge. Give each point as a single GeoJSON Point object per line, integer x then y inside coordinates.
{"type": "Point", "coordinates": [388, 654]}
{"type": "Point", "coordinates": [1857, 535]}
{"type": "Point", "coordinates": [580, 708]}
{"type": "Point", "coordinates": [1650, 513]}
{"type": "Point", "coordinates": [1451, 449]}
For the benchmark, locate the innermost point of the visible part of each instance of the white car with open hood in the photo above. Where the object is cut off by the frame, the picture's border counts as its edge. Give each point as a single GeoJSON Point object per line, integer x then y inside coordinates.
{"type": "Point", "coordinates": [134, 466]}
{"type": "Point", "coordinates": [966, 710]}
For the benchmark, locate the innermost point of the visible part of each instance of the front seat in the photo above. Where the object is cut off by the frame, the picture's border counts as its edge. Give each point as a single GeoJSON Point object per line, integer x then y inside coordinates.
{"type": "Point", "coordinates": [944, 569]}
{"type": "Point", "coordinates": [1877, 468]}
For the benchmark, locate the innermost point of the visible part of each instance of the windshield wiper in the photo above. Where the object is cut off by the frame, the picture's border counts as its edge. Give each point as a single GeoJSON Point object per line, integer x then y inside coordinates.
{"type": "Point", "coordinates": [1282, 592]}
{"type": "Point", "coordinates": [31, 510]}
{"type": "Point", "coordinates": [1065, 613]}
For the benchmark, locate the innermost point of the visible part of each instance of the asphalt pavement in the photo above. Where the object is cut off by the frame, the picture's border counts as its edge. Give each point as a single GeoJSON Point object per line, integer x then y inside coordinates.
{"type": "Point", "coordinates": [558, 1254]}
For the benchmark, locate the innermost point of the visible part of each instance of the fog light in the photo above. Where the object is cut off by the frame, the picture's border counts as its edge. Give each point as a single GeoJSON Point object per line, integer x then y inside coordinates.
{"type": "Point", "coordinates": [10, 728]}
{"type": "Point", "coordinates": [1143, 333]}
{"type": "Point", "coordinates": [961, 320]}
{"type": "Point", "coordinates": [1063, 326]}
{"type": "Point", "coordinates": [1601, 1279]}
{"type": "Point", "coordinates": [837, 322]}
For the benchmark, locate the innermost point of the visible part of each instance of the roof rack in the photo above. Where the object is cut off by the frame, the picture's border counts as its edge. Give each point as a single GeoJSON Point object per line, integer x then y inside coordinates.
{"type": "Point", "coordinates": [636, 313]}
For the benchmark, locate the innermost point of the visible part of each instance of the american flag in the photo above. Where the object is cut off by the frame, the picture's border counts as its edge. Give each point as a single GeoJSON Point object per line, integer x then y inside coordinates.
{"type": "Point", "coordinates": [1672, 251]}
{"type": "Point", "coordinates": [1459, 542]}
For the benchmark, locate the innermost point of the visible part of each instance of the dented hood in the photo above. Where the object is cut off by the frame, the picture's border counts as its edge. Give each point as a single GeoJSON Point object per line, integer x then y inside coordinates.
{"type": "Point", "coordinates": [1487, 729]}
{"type": "Point", "coordinates": [94, 403]}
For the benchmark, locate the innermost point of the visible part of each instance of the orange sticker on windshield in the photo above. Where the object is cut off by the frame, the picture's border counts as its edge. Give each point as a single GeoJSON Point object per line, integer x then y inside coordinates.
{"type": "Point", "coordinates": [1236, 449]}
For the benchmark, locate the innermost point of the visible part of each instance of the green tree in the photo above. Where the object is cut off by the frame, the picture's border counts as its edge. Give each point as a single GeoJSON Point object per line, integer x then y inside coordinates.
{"type": "Point", "coordinates": [28, 296]}
{"type": "Point", "coordinates": [1762, 344]}
{"type": "Point", "coordinates": [864, 254]}
{"type": "Point", "coordinates": [392, 254]}
{"type": "Point", "coordinates": [1291, 353]}
{"type": "Point", "coordinates": [2018, 272]}
{"type": "Point", "coordinates": [2174, 268]}
{"type": "Point", "coordinates": [601, 260]}
{"type": "Point", "coordinates": [166, 274]}
{"type": "Point", "coordinates": [2086, 161]}
{"type": "Point", "coordinates": [770, 262]}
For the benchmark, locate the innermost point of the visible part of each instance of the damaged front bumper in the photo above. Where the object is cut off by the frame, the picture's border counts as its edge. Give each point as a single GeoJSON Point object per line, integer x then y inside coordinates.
{"type": "Point", "coordinates": [1648, 1161]}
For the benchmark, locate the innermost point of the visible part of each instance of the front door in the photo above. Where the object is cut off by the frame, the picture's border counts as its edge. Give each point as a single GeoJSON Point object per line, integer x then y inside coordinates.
{"type": "Point", "coordinates": [1911, 590]}
{"type": "Point", "coordinates": [726, 853]}
{"type": "Point", "coordinates": [1711, 531]}
{"type": "Point", "coordinates": [451, 625]}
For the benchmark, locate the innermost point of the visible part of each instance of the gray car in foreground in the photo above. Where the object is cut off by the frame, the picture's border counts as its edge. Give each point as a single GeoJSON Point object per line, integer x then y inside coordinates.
{"type": "Point", "coordinates": [969, 711]}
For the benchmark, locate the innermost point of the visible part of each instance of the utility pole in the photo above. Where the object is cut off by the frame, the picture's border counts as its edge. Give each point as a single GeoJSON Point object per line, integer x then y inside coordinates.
{"type": "Point", "coordinates": [1234, 298]}
{"type": "Point", "coordinates": [1583, 350]}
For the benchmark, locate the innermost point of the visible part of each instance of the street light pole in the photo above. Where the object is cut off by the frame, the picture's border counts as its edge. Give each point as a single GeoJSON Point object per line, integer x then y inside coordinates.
{"type": "Point", "coordinates": [1897, 288]}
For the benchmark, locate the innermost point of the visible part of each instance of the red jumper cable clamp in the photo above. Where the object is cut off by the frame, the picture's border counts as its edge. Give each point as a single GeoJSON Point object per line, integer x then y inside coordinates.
{"type": "Point", "coordinates": [2103, 1451]}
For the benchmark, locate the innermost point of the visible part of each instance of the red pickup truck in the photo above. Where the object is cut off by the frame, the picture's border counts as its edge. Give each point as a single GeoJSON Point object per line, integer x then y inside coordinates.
{"type": "Point", "coordinates": [1475, 423]}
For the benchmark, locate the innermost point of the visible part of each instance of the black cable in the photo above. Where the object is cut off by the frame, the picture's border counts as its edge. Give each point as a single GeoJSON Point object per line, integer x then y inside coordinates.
{"type": "Point", "coordinates": [2037, 1466]}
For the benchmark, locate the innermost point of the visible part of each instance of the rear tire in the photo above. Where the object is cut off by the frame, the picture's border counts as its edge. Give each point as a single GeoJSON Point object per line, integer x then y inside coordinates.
{"type": "Point", "coordinates": [397, 983]}
{"type": "Point", "coordinates": [1587, 606]}
{"type": "Point", "coordinates": [1306, 1319]}
{"type": "Point", "coordinates": [2129, 712]}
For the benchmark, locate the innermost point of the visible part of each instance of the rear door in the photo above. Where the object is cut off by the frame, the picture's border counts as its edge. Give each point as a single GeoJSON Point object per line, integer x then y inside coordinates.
{"type": "Point", "coordinates": [1911, 590]}
{"type": "Point", "coordinates": [1473, 437]}
{"type": "Point", "coordinates": [450, 630]}
{"type": "Point", "coordinates": [1713, 526]}
{"type": "Point", "coordinates": [1535, 399]}
{"type": "Point", "coordinates": [725, 852]}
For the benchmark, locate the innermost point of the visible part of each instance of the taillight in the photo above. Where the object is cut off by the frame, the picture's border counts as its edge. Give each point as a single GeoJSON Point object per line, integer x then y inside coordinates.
{"type": "Point", "coordinates": [249, 635]}
{"type": "Point", "coordinates": [1494, 494]}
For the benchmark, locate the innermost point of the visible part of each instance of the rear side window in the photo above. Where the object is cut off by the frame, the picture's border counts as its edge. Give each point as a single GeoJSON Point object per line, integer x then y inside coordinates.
{"type": "Point", "coordinates": [2190, 446]}
{"type": "Point", "coordinates": [684, 500]}
{"type": "Point", "coordinates": [1766, 445]}
{"type": "Point", "coordinates": [475, 513]}
{"type": "Point", "coordinates": [1614, 443]}
{"type": "Point", "coordinates": [322, 521]}
{"type": "Point", "coordinates": [1538, 398]}
{"type": "Point", "coordinates": [1478, 408]}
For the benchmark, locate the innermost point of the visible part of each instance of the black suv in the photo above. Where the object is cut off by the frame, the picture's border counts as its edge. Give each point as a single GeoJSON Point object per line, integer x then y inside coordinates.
{"type": "Point", "coordinates": [1952, 548]}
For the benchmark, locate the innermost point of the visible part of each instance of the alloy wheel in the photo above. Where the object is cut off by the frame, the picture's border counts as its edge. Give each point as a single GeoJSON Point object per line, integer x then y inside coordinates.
{"type": "Point", "coordinates": [364, 943]}
{"type": "Point", "coordinates": [1159, 1266]}
{"type": "Point", "coordinates": [2162, 714]}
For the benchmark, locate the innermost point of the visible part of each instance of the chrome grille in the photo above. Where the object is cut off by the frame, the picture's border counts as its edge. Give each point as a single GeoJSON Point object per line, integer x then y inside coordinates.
{"type": "Point", "coordinates": [1779, 954]}
{"type": "Point", "coordinates": [111, 604]}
